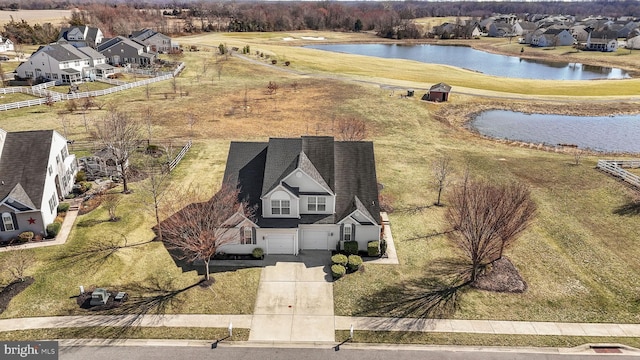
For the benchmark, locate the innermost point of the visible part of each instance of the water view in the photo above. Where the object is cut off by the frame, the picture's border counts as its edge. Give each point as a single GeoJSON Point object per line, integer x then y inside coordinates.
{"type": "Point", "coordinates": [487, 63]}
{"type": "Point", "coordinates": [601, 133]}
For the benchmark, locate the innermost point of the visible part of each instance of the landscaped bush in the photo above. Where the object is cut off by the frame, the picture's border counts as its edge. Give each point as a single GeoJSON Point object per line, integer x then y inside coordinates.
{"type": "Point", "coordinates": [82, 187]}
{"type": "Point", "coordinates": [373, 248]}
{"type": "Point", "coordinates": [354, 263]}
{"type": "Point", "coordinates": [338, 271]}
{"type": "Point", "coordinates": [351, 247]}
{"type": "Point", "coordinates": [257, 253]}
{"type": "Point", "coordinates": [339, 259]}
{"type": "Point", "coordinates": [63, 207]}
{"type": "Point", "coordinates": [25, 236]}
{"type": "Point", "coordinates": [53, 229]}
{"type": "Point", "coordinates": [81, 176]}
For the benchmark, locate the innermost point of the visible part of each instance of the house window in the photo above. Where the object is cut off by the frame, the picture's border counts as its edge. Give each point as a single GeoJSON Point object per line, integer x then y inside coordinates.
{"type": "Point", "coordinates": [58, 159]}
{"type": "Point", "coordinates": [76, 63]}
{"type": "Point", "coordinates": [280, 207]}
{"type": "Point", "coordinates": [50, 170]}
{"type": "Point", "coordinates": [346, 235]}
{"type": "Point", "coordinates": [7, 220]}
{"type": "Point", "coordinates": [247, 236]}
{"type": "Point", "coordinates": [317, 203]}
{"type": "Point", "coordinates": [53, 203]}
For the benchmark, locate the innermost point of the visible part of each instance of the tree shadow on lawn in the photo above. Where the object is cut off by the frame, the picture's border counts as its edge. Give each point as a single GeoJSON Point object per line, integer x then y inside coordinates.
{"type": "Point", "coordinates": [631, 208]}
{"type": "Point", "coordinates": [96, 254]}
{"type": "Point", "coordinates": [144, 306]}
{"type": "Point", "coordinates": [430, 297]}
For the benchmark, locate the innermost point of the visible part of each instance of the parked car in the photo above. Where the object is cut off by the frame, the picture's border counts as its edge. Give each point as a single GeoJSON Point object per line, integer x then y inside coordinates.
{"type": "Point", "coordinates": [4, 58]}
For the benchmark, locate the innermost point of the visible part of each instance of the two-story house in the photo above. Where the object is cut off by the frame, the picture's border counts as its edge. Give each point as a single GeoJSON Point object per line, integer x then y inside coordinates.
{"type": "Point", "coordinates": [122, 51]}
{"type": "Point", "coordinates": [157, 42]}
{"type": "Point", "coordinates": [602, 41]}
{"type": "Point", "coordinates": [36, 172]}
{"type": "Point", "coordinates": [82, 36]}
{"type": "Point", "coordinates": [63, 63]}
{"type": "Point", "coordinates": [310, 193]}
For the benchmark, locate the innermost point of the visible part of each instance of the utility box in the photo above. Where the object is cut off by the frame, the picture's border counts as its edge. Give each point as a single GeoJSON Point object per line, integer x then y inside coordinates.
{"type": "Point", "coordinates": [99, 296]}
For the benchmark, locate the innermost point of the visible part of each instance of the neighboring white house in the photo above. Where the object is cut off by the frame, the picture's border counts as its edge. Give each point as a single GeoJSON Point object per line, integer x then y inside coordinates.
{"type": "Point", "coordinates": [634, 42]}
{"type": "Point", "coordinates": [64, 64]}
{"type": "Point", "coordinates": [552, 37]}
{"type": "Point", "coordinates": [36, 172]}
{"type": "Point", "coordinates": [602, 41]}
{"type": "Point", "coordinates": [157, 42]}
{"type": "Point", "coordinates": [310, 193]}
{"type": "Point", "coordinates": [82, 36]}
{"type": "Point", "coordinates": [6, 44]}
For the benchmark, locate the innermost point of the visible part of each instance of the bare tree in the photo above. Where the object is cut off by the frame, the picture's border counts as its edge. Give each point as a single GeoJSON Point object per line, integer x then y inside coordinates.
{"type": "Point", "coordinates": [486, 219]}
{"type": "Point", "coordinates": [272, 88]}
{"type": "Point", "coordinates": [192, 119]}
{"type": "Point", "coordinates": [17, 264]}
{"type": "Point", "coordinates": [219, 65]}
{"type": "Point", "coordinates": [154, 189]}
{"type": "Point", "coordinates": [577, 155]}
{"type": "Point", "coordinates": [200, 228]}
{"type": "Point", "coordinates": [441, 171]}
{"type": "Point", "coordinates": [351, 129]}
{"type": "Point", "coordinates": [111, 202]}
{"type": "Point", "coordinates": [119, 133]}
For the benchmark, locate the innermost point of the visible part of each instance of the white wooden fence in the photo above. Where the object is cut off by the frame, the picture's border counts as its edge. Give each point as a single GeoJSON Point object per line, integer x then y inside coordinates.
{"type": "Point", "coordinates": [53, 96]}
{"type": "Point", "coordinates": [616, 169]}
{"type": "Point", "coordinates": [180, 155]}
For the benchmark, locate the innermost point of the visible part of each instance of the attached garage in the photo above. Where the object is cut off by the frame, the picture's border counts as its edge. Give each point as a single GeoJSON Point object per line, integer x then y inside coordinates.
{"type": "Point", "coordinates": [315, 240]}
{"type": "Point", "coordinates": [280, 244]}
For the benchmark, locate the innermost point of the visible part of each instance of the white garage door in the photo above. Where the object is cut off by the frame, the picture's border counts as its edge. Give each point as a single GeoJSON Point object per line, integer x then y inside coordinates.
{"type": "Point", "coordinates": [280, 244]}
{"type": "Point", "coordinates": [315, 240]}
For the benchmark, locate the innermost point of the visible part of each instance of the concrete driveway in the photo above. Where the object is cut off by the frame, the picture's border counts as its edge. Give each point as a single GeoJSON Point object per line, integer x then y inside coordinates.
{"type": "Point", "coordinates": [295, 299]}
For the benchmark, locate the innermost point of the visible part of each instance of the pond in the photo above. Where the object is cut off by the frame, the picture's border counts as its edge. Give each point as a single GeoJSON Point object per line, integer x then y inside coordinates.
{"type": "Point", "coordinates": [618, 133]}
{"type": "Point", "coordinates": [480, 61]}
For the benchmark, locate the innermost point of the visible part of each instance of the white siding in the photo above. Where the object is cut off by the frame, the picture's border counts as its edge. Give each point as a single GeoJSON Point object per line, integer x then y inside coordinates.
{"type": "Point", "coordinates": [280, 195]}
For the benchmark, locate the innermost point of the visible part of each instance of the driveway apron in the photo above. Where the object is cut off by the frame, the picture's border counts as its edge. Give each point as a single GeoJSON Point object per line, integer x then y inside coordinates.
{"type": "Point", "coordinates": [295, 300]}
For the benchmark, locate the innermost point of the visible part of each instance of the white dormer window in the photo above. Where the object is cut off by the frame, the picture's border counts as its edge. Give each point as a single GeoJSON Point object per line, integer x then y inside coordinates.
{"type": "Point", "coordinates": [346, 234]}
{"type": "Point", "coordinates": [317, 203]}
{"type": "Point", "coordinates": [280, 207]}
{"type": "Point", "coordinates": [7, 221]}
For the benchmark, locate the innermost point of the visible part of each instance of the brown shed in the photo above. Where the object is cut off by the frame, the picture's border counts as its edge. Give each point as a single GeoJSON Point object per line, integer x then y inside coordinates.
{"type": "Point", "coordinates": [438, 92]}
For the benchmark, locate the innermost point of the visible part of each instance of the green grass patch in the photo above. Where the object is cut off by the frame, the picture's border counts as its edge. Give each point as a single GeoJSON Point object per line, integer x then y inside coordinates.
{"type": "Point", "coordinates": [16, 97]}
{"type": "Point", "coordinates": [466, 339]}
{"type": "Point", "coordinates": [116, 333]}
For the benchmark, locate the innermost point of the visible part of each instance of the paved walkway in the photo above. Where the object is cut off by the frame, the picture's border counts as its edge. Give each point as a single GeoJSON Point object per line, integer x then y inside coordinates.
{"type": "Point", "coordinates": [295, 300]}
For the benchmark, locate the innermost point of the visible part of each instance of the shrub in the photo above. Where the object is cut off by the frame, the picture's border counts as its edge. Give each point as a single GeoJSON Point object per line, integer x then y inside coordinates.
{"type": "Point", "coordinates": [53, 229]}
{"type": "Point", "coordinates": [383, 247]}
{"type": "Point", "coordinates": [338, 271]}
{"type": "Point", "coordinates": [274, 61]}
{"type": "Point", "coordinates": [81, 176]}
{"type": "Point", "coordinates": [287, 63]}
{"type": "Point", "coordinates": [373, 248]}
{"type": "Point", "coordinates": [257, 253]}
{"type": "Point", "coordinates": [354, 263]}
{"type": "Point", "coordinates": [339, 259]}
{"type": "Point", "coordinates": [351, 247]}
{"type": "Point", "coordinates": [63, 207]}
{"type": "Point", "coordinates": [25, 236]}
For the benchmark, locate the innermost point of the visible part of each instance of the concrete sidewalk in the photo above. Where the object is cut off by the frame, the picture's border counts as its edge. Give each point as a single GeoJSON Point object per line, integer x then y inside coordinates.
{"type": "Point", "coordinates": [340, 323]}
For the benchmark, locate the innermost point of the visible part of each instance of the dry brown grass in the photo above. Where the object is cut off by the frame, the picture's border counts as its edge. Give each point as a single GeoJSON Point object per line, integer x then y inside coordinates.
{"type": "Point", "coordinates": [55, 17]}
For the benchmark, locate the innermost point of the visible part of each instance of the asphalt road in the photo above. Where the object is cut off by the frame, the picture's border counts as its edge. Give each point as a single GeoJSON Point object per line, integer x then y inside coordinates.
{"type": "Point", "coordinates": [345, 353]}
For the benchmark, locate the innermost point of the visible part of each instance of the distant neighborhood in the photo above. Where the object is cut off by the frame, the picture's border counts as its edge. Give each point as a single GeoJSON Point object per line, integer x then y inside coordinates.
{"type": "Point", "coordinates": [594, 33]}
{"type": "Point", "coordinates": [82, 53]}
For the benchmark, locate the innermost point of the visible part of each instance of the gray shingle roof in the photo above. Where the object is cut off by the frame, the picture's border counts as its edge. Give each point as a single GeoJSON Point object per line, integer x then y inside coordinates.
{"type": "Point", "coordinates": [440, 87]}
{"type": "Point", "coordinates": [23, 162]}
{"type": "Point", "coordinates": [61, 52]}
{"type": "Point", "coordinates": [348, 167]}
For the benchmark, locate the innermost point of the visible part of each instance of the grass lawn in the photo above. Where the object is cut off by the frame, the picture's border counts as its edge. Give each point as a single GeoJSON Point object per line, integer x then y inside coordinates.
{"type": "Point", "coordinates": [83, 87]}
{"type": "Point", "coordinates": [15, 97]}
{"type": "Point", "coordinates": [579, 258]}
{"type": "Point", "coordinates": [126, 333]}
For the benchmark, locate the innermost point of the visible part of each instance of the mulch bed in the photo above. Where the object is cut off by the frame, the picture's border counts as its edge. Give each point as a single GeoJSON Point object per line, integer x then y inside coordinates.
{"type": "Point", "coordinates": [501, 276]}
{"type": "Point", "coordinates": [12, 290]}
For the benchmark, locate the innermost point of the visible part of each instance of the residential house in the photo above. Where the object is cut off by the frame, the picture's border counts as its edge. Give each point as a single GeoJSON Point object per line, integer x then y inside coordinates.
{"type": "Point", "coordinates": [500, 29]}
{"type": "Point", "coordinates": [6, 44]}
{"type": "Point", "coordinates": [310, 193]}
{"type": "Point", "coordinates": [63, 63]}
{"type": "Point", "coordinates": [438, 92]}
{"type": "Point", "coordinates": [123, 51]}
{"type": "Point", "coordinates": [602, 41]}
{"type": "Point", "coordinates": [552, 37]}
{"type": "Point", "coordinates": [82, 36]}
{"type": "Point", "coordinates": [525, 30]}
{"type": "Point", "coordinates": [157, 42]}
{"type": "Point", "coordinates": [36, 172]}
{"type": "Point", "coordinates": [634, 42]}
{"type": "Point", "coordinates": [580, 33]}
